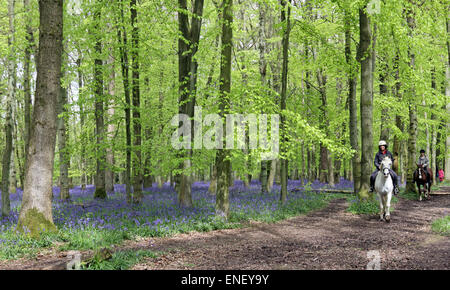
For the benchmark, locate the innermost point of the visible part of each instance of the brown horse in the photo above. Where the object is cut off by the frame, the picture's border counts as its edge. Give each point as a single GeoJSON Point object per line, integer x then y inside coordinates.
{"type": "Point", "coordinates": [420, 178]}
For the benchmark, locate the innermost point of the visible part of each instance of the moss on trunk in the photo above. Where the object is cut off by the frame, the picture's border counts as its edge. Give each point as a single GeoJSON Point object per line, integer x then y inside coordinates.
{"type": "Point", "coordinates": [35, 223]}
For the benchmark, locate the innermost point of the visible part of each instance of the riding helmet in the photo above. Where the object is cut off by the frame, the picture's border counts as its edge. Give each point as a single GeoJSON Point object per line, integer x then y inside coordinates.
{"type": "Point", "coordinates": [382, 143]}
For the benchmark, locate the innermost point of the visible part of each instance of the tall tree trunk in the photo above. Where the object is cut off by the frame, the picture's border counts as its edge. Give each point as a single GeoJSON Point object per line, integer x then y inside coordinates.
{"type": "Point", "coordinates": [64, 158]}
{"type": "Point", "coordinates": [323, 168]}
{"type": "Point", "coordinates": [365, 55]}
{"type": "Point", "coordinates": [397, 148]}
{"type": "Point", "coordinates": [82, 134]}
{"type": "Point", "coordinates": [384, 129]}
{"type": "Point", "coordinates": [285, 19]}
{"type": "Point", "coordinates": [122, 36]}
{"type": "Point", "coordinates": [100, 191]}
{"type": "Point", "coordinates": [412, 138]}
{"type": "Point", "coordinates": [433, 127]}
{"type": "Point", "coordinates": [109, 174]}
{"type": "Point", "coordinates": [26, 83]}
{"type": "Point", "coordinates": [187, 77]}
{"type": "Point", "coordinates": [263, 73]}
{"type": "Point", "coordinates": [447, 95]}
{"type": "Point", "coordinates": [137, 162]}
{"type": "Point", "coordinates": [36, 210]}
{"type": "Point", "coordinates": [147, 178]}
{"type": "Point", "coordinates": [19, 154]}
{"type": "Point", "coordinates": [222, 161]}
{"type": "Point", "coordinates": [6, 161]}
{"type": "Point", "coordinates": [7, 153]}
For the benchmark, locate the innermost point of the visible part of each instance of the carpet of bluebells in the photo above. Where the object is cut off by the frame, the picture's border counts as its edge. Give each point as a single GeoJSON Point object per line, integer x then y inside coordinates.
{"type": "Point", "coordinates": [86, 223]}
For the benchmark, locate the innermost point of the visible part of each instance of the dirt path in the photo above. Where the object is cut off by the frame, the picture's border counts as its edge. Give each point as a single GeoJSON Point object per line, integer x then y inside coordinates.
{"type": "Point", "coordinates": [325, 239]}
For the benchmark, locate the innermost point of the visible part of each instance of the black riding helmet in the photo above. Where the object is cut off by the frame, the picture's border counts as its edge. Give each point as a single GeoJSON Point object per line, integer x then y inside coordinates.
{"type": "Point", "coordinates": [422, 151]}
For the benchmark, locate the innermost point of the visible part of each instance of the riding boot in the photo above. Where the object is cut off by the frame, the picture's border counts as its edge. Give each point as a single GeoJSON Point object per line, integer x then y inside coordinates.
{"type": "Point", "coordinates": [396, 190]}
{"type": "Point", "coordinates": [395, 183]}
{"type": "Point", "coordinates": [372, 186]}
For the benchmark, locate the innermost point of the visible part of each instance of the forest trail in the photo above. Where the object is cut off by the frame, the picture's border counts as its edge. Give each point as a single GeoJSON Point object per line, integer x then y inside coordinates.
{"type": "Point", "coordinates": [327, 239]}
{"type": "Point", "coordinates": [330, 238]}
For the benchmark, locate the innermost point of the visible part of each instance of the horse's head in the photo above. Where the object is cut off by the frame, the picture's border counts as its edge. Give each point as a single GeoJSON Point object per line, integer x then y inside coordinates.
{"type": "Point", "coordinates": [386, 166]}
{"type": "Point", "coordinates": [421, 172]}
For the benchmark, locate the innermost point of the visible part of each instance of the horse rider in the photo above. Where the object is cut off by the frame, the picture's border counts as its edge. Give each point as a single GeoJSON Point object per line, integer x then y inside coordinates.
{"type": "Point", "coordinates": [381, 154]}
{"type": "Point", "coordinates": [423, 161]}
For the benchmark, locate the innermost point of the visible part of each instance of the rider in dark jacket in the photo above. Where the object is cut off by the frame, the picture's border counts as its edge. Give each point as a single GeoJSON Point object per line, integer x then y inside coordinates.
{"type": "Point", "coordinates": [381, 154]}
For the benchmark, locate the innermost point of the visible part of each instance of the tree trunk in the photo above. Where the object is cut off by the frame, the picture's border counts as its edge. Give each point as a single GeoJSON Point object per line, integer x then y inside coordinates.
{"type": "Point", "coordinates": [447, 95]}
{"type": "Point", "coordinates": [99, 181]}
{"type": "Point", "coordinates": [213, 183]}
{"type": "Point", "coordinates": [222, 161]}
{"type": "Point", "coordinates": [433, 127]}
{"type": "Point", "coordinates": [6, 161]}
{"type": "Point", "coordinates": [111, 128]}
{"type": "Point", "coordinates": [384, 129]}
{"type": "Point", "coordinates": [7, 153]}
{"type": "Point", "coordinates": [324, 162]}
{"type": "Point", "coordinates": [36, 210]}
{"type": "Point", "coordinates": [64, 159]}
{"type": "Point", "coordinates": [263, 74]}
{"type": "Point", "coordinates": [137, 162]}
{"type": "Point", "coordinates": [337, 170]}
{"type": "Point", "coordinates": [271, 178]}
{"type": "Point", "coordinates": [365, 56]}
{"type": "Point", "coordinates": [410, 185]}
{"type": "Point", "coordinates": [412, 138]}
{"type": "Point", "coordinates": [285, 19]}
{"type": "Point", "coordinates": [19, 154]}
{"type": "Point", "coordinates": [309, 166]}
{"type": "Point", "coordinates": [398, 121]}
{"type": "Point", "coordinates": [147, 178]}
{"type": "Point", "coordinates": [187, 78]}
{"type": "Point", "coordinates": [26, 83]}
{"type": "Point", "coordinates": [82, 135]}
{"type": "Point", "coordinates": [12, 169]}
{"type": "Point", "coordinates": [122, 37]}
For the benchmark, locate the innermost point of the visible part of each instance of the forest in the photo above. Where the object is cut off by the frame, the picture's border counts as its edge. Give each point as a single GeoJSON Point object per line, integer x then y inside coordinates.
{"type": "Point", "coordinates": [98, 98]}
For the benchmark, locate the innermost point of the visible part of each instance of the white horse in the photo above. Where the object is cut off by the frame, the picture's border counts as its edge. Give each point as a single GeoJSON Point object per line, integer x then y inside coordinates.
{"type": "Point", "coordinates": [384, 187]}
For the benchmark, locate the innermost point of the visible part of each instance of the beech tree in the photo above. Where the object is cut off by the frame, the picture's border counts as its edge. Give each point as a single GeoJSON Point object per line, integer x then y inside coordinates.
{"type": "Point", "coordinates": [36, 211]}
{"type": "Point", "coordinates": [365, 57]}
{"type": "Point", "coordinates": [222, 160]}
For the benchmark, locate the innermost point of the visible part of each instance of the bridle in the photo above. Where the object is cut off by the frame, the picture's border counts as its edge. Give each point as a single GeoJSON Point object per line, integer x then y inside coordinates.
{"type": "Point", "coordinates": [421, 171]}
{"type": "Point", "coordinates": [385, 169]}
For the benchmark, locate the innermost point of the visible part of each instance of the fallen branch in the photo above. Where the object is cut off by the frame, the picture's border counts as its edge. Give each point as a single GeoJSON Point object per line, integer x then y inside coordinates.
{"type": "Point", "coordinates": [330, 190]}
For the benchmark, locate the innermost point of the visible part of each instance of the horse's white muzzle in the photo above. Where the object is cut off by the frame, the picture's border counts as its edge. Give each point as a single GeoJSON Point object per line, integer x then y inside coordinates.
{"type": "Point", "coordinates": [386, 172]}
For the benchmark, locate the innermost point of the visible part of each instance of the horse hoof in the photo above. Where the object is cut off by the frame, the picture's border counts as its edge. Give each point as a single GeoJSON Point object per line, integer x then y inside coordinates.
{"type": "Point", "coordinates": [381, 220]}
{"type": "Point", "coordinates": [388, 219]}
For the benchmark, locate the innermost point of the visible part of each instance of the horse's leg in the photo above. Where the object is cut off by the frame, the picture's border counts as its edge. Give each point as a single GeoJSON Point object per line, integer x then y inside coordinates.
{"type": "Point", "coordinates": [420, 191]}
{"type": "Point", "coordinates": [388, 206]}
{"type": "Point", "coordinates": [380, 198]}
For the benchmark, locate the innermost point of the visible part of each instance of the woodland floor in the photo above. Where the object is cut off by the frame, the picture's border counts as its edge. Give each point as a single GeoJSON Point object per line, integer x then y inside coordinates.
{"type": "Point", "coordinates": [330, 238]}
